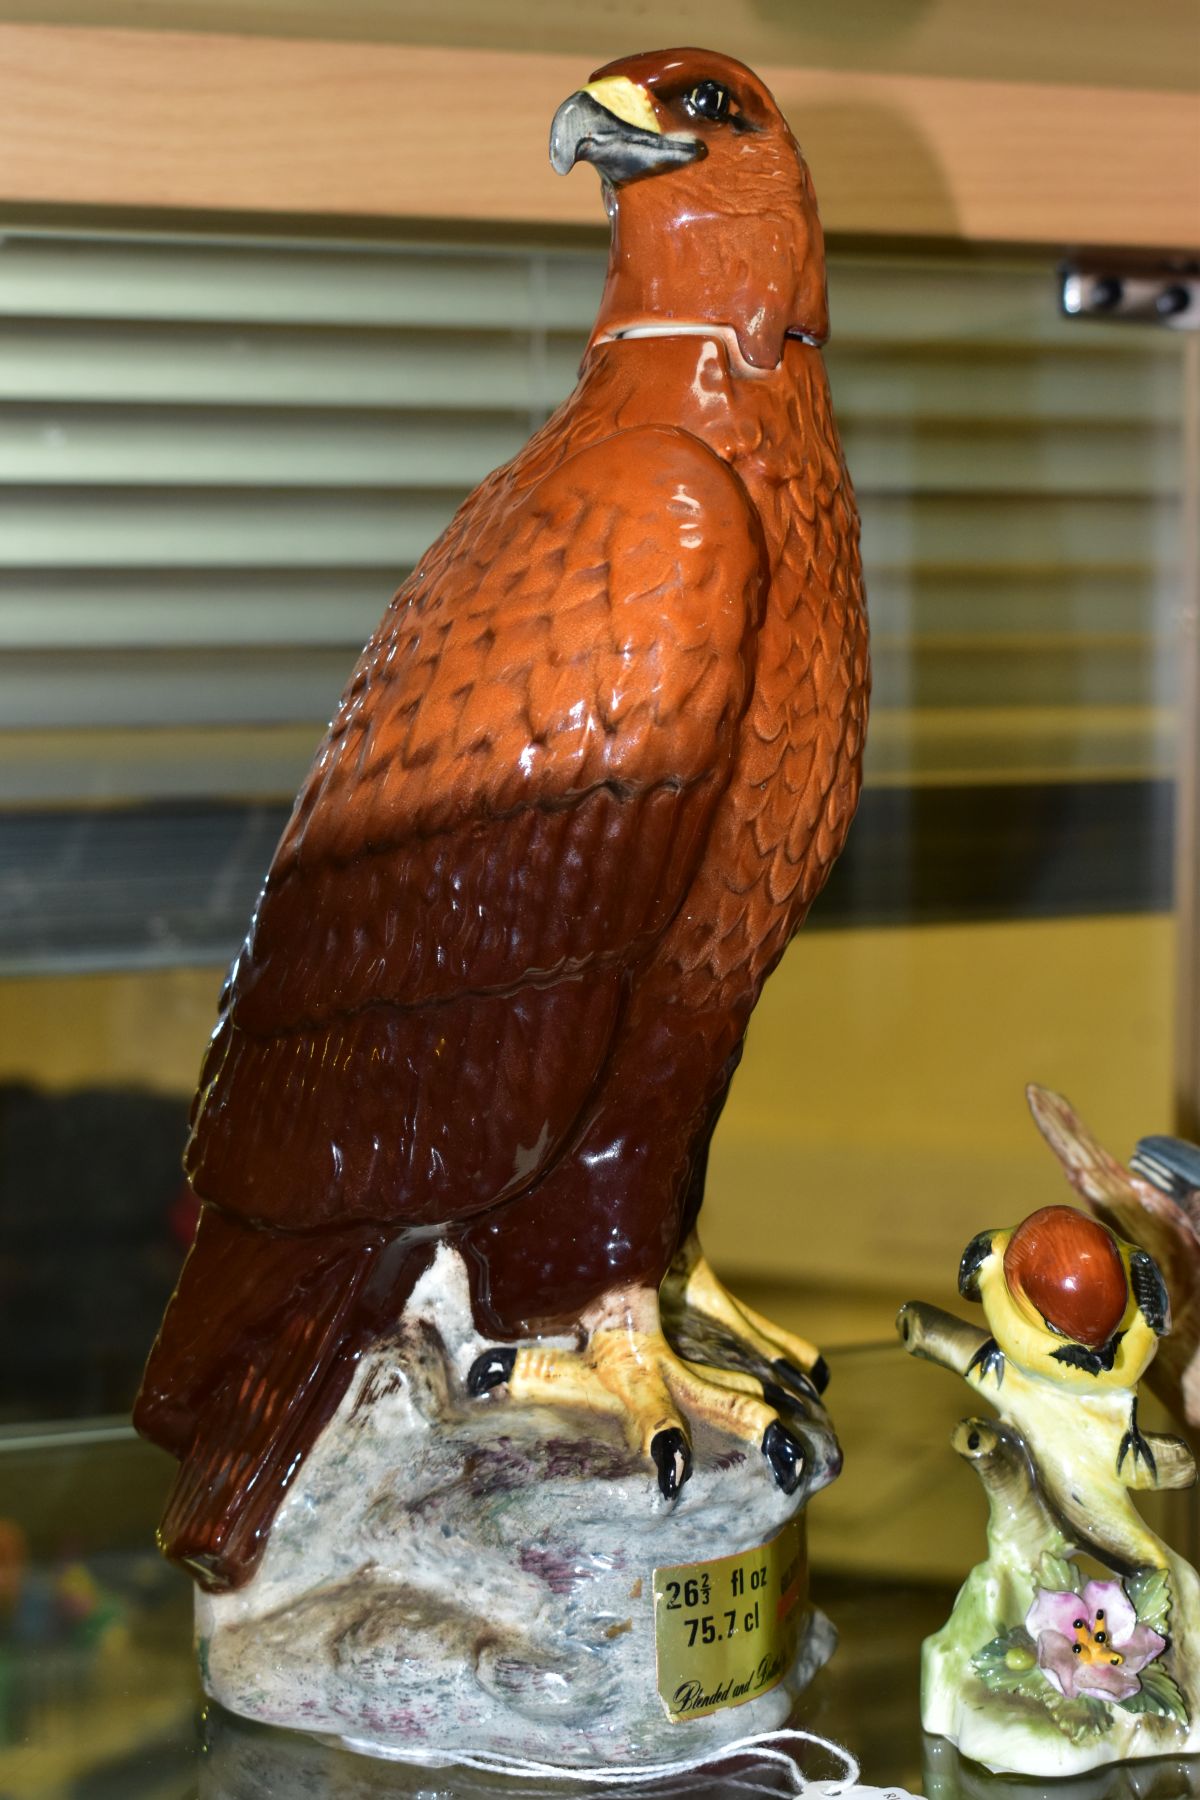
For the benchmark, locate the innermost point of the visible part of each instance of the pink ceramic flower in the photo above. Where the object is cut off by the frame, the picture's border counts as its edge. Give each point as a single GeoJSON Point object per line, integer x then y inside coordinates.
{"type": "Point", "coordinates": [1091, 1643]}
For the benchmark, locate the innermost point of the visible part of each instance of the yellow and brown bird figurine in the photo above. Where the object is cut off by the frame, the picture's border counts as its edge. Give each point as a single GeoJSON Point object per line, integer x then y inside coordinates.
{"type": "Point", "coordinates": [1045, 1668]}
{"type": "Point", "coordinates": [1074, 1317]}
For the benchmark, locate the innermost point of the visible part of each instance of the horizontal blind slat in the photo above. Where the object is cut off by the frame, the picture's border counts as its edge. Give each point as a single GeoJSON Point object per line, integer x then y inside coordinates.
{"type": "Point", "coordinates": [919, 603]}
{"type": "Point", "coordinates": [141, 609]}
{"type": "Point", "coordinates": [135, 610]}
{"type": "Point", "coordinates": [219, 458]}
{"type": "Point", "coordinates": [164, 687]}
{"type": "Point", "coordinates": [1021, 672]}
{"type": "Point", "coordinates": [877, 300]}
{"type": "Point", "coordinates": [77, 528]}
{"type": "Point", "coordinates": [82, 528]}
{"type": "Point", "coordinates": [218, 447]}
{"type": "Point", "coordinates": [276, 366]}
{"type": "Point", "coordinates": [1025, 385]}
{"type": "Point", "coordinates": [1026, 532]}
{"type": "Point", "coordinates": [1049, 461]}
{"type": "Point", "coordinates": [200, 685]}
{"type": "Point", "coordinates": [157, 447]}
{"type": "Point", "coordinates": [60, 277]}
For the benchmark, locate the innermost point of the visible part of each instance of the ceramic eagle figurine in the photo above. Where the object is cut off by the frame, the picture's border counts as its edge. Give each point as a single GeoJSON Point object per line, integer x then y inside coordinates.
{"type": "Point", "coordinates": [585, 782]}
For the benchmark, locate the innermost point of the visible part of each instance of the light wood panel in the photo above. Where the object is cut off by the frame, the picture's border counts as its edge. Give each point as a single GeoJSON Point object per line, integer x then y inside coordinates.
{"type": "Point", "coordinates": [215, 123]}
{"type": "Point", "coordinates": [1099, 42]}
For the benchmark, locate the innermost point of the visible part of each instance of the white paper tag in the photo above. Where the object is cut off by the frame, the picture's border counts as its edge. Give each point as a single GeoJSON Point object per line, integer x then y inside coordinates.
{"type": "Point", "coordinates": [841, 1790]}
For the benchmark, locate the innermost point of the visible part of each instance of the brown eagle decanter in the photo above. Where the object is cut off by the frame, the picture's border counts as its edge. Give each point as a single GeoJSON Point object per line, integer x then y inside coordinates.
{"type": "Point", "coordinates": [474, 1449]}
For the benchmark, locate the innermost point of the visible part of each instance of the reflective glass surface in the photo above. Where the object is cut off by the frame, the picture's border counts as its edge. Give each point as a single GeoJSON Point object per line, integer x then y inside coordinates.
{"type": "Point", "coordinates": [99, 1697]}
{"type": "Point", "coordinates": [218, 457]}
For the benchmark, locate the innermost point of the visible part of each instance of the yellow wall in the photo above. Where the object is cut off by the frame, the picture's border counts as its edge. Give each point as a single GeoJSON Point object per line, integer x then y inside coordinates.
{"type": "Point", "coordinates": [876, 1124]}
{"type": "Point", "coordinates": [144, 1030]}
{"type": "Point", "coordinates": [878, 1120]}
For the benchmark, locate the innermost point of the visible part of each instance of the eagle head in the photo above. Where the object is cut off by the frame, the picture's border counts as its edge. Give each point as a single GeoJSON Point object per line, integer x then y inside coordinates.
{"type": "Point", "coordinates": [714, 220]}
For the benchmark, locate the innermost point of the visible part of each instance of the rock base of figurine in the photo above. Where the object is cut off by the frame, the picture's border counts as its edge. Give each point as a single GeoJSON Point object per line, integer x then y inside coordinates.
{"type": "Point", "coordinates": [450, 1577]}
{"type": "Point", "coordinates": [1036, 1732]}
{"type": "Point", "coordinates": [1008, 1744]}
{"type": "Point", "coordinates": [950, 1775]}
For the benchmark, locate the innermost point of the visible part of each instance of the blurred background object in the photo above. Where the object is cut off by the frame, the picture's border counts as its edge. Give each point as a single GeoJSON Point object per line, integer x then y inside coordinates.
{"type": "Point", "coordinates": [279, 281]}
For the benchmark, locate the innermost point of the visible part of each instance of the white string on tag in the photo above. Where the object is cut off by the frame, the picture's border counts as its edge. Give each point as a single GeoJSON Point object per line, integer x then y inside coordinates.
{"type": "Point", "coordinates": [768, 1746]}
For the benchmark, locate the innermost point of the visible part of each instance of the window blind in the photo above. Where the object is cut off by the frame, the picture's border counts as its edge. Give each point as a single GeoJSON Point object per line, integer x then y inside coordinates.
{"type": "Point", "coordinates": [219, 457]}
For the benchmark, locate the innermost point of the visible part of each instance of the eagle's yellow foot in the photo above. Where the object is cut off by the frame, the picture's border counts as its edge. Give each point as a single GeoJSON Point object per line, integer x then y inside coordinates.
{"type": "Point", "coordinates": [628, 1369]}
{"type": "Point", "coordinates": [691, 1284]}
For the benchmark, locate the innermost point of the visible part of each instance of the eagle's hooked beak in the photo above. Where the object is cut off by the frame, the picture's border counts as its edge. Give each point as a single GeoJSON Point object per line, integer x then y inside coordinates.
{"type": "Point", "coordinates": [612, 123]}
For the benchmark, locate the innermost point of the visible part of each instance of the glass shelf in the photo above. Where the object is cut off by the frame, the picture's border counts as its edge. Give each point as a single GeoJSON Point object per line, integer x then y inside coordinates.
{"type": "Point", "coordinates": [99, 1698]}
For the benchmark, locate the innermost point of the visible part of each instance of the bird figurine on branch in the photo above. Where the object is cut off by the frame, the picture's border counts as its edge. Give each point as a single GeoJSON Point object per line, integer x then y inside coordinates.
{"type": "Point", "coordinates": [585, 782]}
{"type": "Point", "coordinates": [1041, 1670]}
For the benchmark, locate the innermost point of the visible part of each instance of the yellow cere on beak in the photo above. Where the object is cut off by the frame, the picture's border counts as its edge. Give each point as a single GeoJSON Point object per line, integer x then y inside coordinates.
{"type": "Point", "coordinates": [625, 100]}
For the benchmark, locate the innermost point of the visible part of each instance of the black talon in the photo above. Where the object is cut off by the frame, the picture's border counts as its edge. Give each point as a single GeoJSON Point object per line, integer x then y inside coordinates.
{"type": "Point", "coordinates": [673, 1459]}
{"type": "Point", "coordinates": [490, 1370]}
{"type": "Point", "coordinates": [1134, 1442]}
{"type": "Point", "coordinates": [989, 1360]}
{"type": "Point", "coordinates": [785, 1455]}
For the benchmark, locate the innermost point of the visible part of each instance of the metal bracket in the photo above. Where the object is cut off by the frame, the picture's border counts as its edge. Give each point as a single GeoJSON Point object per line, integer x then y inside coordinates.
{"type": "Point", "coordinates": [1133, 293]}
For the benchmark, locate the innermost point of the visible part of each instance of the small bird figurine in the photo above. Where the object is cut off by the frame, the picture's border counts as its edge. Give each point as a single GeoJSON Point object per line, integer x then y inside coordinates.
{"type": "Point", "coordinates": [1075, 1315]}
{"type": "Point", "coordinates": [587, 779]}
{"type": "Point", "coordinates": [1044, 1668]}
{"type": "Point", "coordinates": [1067, 1299]}
{"type": "Point", "coordinates": [1155, 1202]}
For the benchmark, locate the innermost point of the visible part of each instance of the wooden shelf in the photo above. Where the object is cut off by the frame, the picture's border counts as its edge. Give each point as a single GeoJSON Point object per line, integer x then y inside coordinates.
{"type": "Point", "coordinates": [216, 124]}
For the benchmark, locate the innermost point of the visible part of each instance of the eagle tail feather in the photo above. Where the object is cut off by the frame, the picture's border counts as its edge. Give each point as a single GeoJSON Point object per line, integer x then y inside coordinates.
{"type": "Point", "coordinates": [241, 1416]}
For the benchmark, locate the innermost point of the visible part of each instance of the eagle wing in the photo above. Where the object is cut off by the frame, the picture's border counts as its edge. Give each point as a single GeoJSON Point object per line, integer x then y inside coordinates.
{"type": "Point", "coordinates": [507, 811]}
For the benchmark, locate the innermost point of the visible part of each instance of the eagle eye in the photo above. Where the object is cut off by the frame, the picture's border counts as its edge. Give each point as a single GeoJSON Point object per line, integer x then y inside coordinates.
{"type": "Point", "coordinates": [709, 100]}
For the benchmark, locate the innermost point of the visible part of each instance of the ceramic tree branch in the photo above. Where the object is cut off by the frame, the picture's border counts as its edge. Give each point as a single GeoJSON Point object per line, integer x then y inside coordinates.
{"type": "Point", "coordinates": [1043, 1668]}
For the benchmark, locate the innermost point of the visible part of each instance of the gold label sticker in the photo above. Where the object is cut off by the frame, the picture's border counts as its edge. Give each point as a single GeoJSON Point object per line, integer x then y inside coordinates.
{"type": "Point", "coordinates": [725, 1631]}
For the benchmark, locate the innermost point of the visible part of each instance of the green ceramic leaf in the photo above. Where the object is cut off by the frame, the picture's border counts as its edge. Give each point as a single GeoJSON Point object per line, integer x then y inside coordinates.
{"type": "Point", "coordinates": [1157, 1694]}
{"type": "Point", "coordinates": [1077, 1719]}
{"type": "Point", "coordinates": [1008, 1665]}
{"type": "Point", "coordinates": [1150, 1592]}
{"type": "Point", "coordinates": [1058, 1576]}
